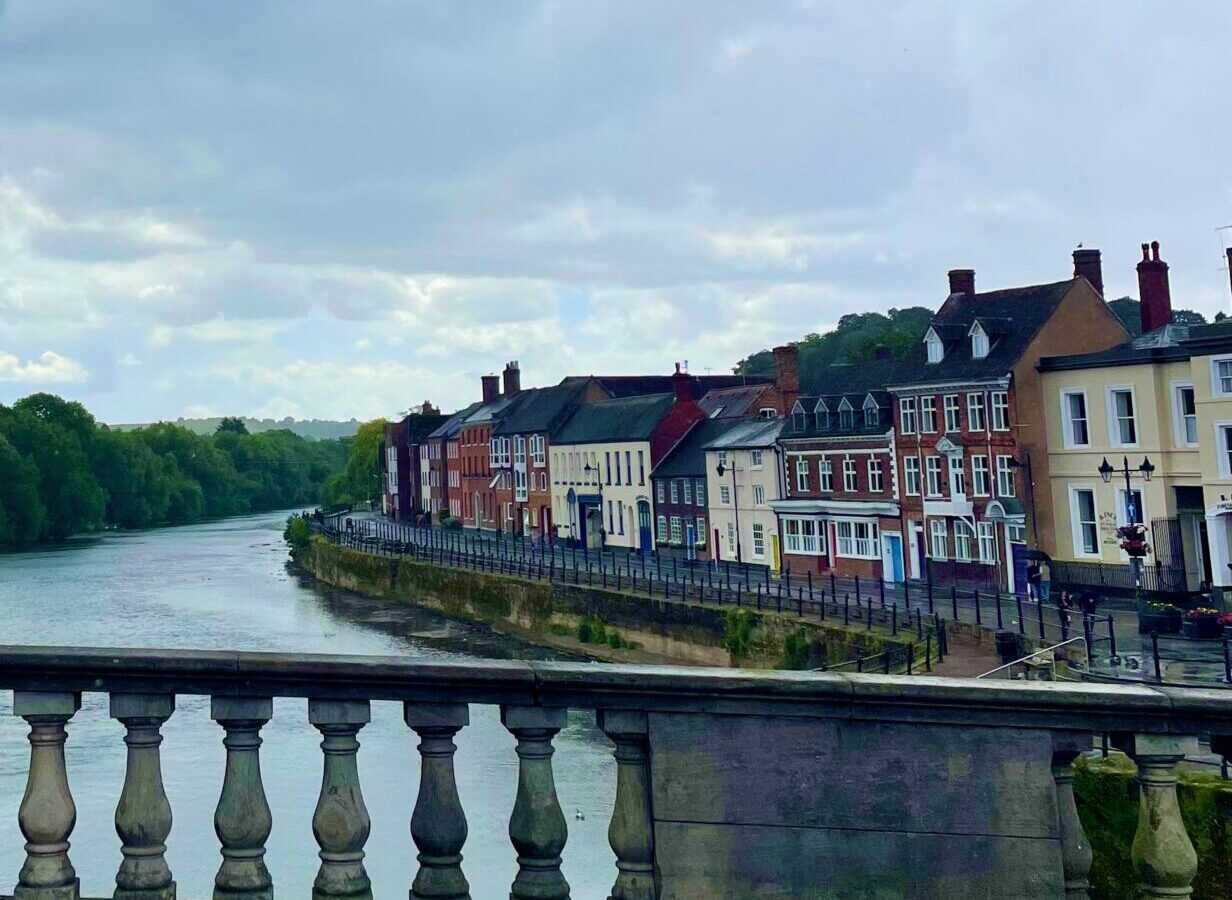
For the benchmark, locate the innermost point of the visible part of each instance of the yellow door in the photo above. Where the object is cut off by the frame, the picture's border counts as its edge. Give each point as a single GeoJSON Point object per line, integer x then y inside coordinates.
{"type": "Point", "coordinates": [774, 553]}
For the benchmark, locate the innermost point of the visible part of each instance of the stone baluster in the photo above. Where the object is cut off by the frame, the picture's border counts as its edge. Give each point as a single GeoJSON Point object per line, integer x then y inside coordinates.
{"type": "Point", "coordinates": [537, 827]}
{"type": "Point", "coordinates": [1162, 855]}
{"type": "Point", "coordinates": [1075, 850]}
{"type": "Point", "coordinates": [631, 832]}
{"type": "Point", "coordinates": [340, 822]}
{"type": "Point", "coordinates": [438, 825]}
{"type": "Point", "coordinates": [47, 813]}
{"type": "Point", "coordinates": [242, 820]}
{"type": "Point", "coordinates": [143, 815]}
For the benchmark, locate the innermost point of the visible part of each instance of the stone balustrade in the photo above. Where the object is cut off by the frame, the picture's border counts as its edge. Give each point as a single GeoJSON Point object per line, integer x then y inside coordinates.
{"type": "Point", "coordinates": [729, 784]}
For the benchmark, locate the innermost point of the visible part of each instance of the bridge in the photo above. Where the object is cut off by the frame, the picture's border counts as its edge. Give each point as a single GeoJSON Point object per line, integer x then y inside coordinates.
{"type": "Point", "coordinates": [730, 784]}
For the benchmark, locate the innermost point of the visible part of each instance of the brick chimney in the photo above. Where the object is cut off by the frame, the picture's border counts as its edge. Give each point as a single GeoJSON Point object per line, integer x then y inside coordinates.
{"type": "Point", "coordinates": [787, 376]}
{"type": "Point", "coordinates": [491, 387]}
{"type": "Point", "coordinates": [682, 384]}
{"type": "Point", "coordinates": [1087, 265]}
{"type": "Point", "coordinates": [429, 409]}
{"type": "Point", "coordinates": [513, 378]}
{"type": "Point", "coordinates": [962, 281]}
{"type": "Point", "coordinates": [1153, 291]}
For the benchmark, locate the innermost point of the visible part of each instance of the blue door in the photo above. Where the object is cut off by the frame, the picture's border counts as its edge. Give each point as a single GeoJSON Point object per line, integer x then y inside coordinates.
{"type": "Point", "coordinates": [1018, 552]}
{"type": "Point", "coordinates": [645, 540]}
{"type": "Point", "coordinates": [892, 556]}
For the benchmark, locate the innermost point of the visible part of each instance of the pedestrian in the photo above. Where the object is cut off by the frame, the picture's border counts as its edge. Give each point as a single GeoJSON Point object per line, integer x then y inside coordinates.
{"type": "Point", "coordinates": [1087, 603]}
{"type": "Point", "coordinates": [1045, 581]}
{"type": "Point", "coordinates": [1064, 605]}
{"type": "Point", "coordinates": [1033, 581]}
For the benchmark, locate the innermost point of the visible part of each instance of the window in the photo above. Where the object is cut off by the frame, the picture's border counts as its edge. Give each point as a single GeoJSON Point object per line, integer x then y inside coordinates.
{"type": "Point", "coordinates": [660, 492]}
{"type": "Point", "coordinates": [687, 484]}
{"type": "Point", "coordinates": [519, 450]}
{"type": "Point", "coordinates": [759, 495]}
{"type": "Point", "coordinates": [801, 474]}
{"type": "Point", "coordinates": [846, 415]}
{"type": "Point", "coordinates": [699, 493]}
{"type": "Point", "coordinates": [731, 539]}
{"type": "Point", "coordinates": [699, 538]}
{"type": "Point", "coordinates": [538, 450]}
{"type": "Point", "coordinates": [1074, 413]}
{"type": "Point", "coordinates": [1224, 434]}
{"type": "Point", "coordinates": [1122, 425]}
{"type": "Point", "coordinates": [676, 533]}
{"type": "Point", "coordinates": [611, 518]}
{"type": "Point", "coordinates": [662, 524]}
{"type": "Point", "coordinates": [849, 475]}
{"type": "Point", "coordinates": [958, 479]}
{"type": "Point", "coordinates": [1000, 411]}
{"type": "Point", "coordinates": [629, 468]}
{"type": "Point", "coordinates": [755, 459]}
{"type": "Point", "coordinates": [607, 462]}
{"type": "Point", "coordinates": [822, 414]}
{"type": "Point", "coordinates": [874, 475]}
{"type": "Point", "coordinates": [936, 350]}
{"type": "Point", "coordinates": [979, 342]}
{"type": "Point", "coordinates": [975, 412]}
{"type": "Point", "coordinates": [1222, 381]}
{"type": "Point", "coordinates": [1186, 415]}
{"type": "Point", "coordinates": [804, 536]}
{"type": "Point", "coordinates": [1005, 476]}
{"type": "Point", "coordinates": [979, 476]}
{"type": "Point", "coordinates": [759, 540]}
{"type": "Point", "coordinates": [1132, 508]}
{"type": "Point", "coordinates": [911, 476]}
{"type": "Point", "coordinates": [616, 456]}
{"type": "Point", "coordinates": [928, 415]}
{"type": "Point", "coordinates": [825, 474]}
{"type": "Point", "coordinates": [932, 470]}
{"type": "Point", "coordinates": [767, 412]}
{"type": "Point", "coordinates": [724, 495]}
{"type": "Point", "coordinates": [952, 423]}
{"type": "Point", "coordinates": [675, 492]}
{"type": "Point", "coordinates": [962, 540]}
{"type": "Point", "coordinates": [620, 515]}
{"type": "Point", "coordinates": [641, 466]}
{"type": "Point", "coordinates": [870, 412]}
{"type": "Point", "coordinates": [988, 542]}
{"type": "Point", "coordinates": [856, 539]}
{"type": "Point", "coordinates": [939, 538]}
{"type": "Point", "coordinates": [1085, 522]}
{"type": "Point", "coordinates": [906, 413]}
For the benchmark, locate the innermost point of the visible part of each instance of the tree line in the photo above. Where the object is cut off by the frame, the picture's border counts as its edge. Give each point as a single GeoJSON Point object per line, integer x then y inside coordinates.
{"type": "Point", "coordinates": [63, 473]}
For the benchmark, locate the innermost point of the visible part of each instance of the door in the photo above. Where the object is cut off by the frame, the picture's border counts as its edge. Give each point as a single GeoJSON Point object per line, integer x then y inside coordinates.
{"type": "Point", "coordinates": [917, 563]}
{"type": "Point", "coordinates": [892, 556]}
{"type": "Point", "coordinates": [594, 528]}
{"type": "Point", "coordinates": [1018, 563]}
{"type": "Point", "coordinates": [645, 540]}
{"type": "Point", "coordinates": [525, 521]}
{"type": "Point", "coordinates": [774, 553]}
{"type": "Point", "coordinates": [475, 509]}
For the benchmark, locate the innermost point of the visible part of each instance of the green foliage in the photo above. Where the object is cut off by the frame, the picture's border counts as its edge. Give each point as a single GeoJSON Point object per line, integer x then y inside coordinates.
{"type": "Point", "coordinates": [233, 424]}
{"type": "Point", "coordinates": [360, 482]}
{"type": "Point", "coordinates": [1128, 310]}
{"type": "Point", "coordinates": [614, 640]}
{"type": "Point", "coordinates": [64, 473]}
{"type": "Point", "coordinates": [798, 650]}
{"type": "Point", "coordinates": [584, 632]}
{"type": "Point", "coordinates": [853, 340]}
{"type": "Point", "coordinates": [298, 533]}
{"type": "Point", "coordinates": [449, 523]}
{"type": "Point", "coordinates": [738, 632]}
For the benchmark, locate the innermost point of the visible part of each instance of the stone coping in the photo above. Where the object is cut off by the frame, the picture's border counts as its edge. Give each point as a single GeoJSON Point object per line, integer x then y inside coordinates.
{"type": "Point", "coordinates": [1077, 707]}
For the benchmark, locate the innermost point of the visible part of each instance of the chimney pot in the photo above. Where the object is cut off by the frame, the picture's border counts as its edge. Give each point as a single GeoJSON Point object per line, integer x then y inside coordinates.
{"type": "Point", "coordinates": [513, 378]}
{"type": "Point", "coordinates": [962, 281]}
{"type": "Point", "coordinates": [1087, 264]}
{"type": "Point", "coordinates": [1154, 294]}
{"type": "Point", "coordinates": [1146, 250]}
{"type": "Point", "coordinates": [491, 387]}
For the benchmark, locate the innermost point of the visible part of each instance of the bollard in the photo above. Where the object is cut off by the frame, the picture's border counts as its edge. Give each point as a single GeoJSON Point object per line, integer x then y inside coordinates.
{"type": "Point", "coordinates": [978, 619]}
{"type": "Point", "coordinates": [800, 606]}
{"type": "Point", "coordinates": [1155, 655]}
{"type": "Point", "coordinates": [954, 601]}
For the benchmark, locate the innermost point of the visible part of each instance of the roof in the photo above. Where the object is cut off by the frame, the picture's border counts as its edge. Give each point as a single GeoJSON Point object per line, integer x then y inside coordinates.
{"type": "Point", "coordinates": [732, 402]}
{"type": "Point", "coordinates": [633, 385]}
{"type": "Point", "coordinates": [486, 412]}
{"type": "Point", "coordinates": [451, 426]}
{"type": "Point", "coordinates": [688, 457]}
{"type": "Point", "coordinates": [1213, 338]}
{"type": "Point", "coordinates": [611, 421]}
{"type": "Point", "coordinates": [853, 383]}
{"type": "Point", "coordinates": [1161, 345]}
{"type": "Point", "coordinates": [417, 426]}
{"type": "Point", "coordinates": [1010, 317]}
{"type": "Point", "coordinates": [748, 433]}
{"type": "Point", "coordinates": [541, 409]}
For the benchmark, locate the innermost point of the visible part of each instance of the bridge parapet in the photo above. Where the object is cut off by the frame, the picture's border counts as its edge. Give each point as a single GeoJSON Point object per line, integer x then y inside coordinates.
{"type": "Point", "coordinates": [729, 783]}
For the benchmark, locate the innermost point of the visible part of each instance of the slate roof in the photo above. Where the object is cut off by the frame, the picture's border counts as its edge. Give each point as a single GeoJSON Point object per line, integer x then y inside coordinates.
{"type": "Point", "coordinates": [541, 409]}
{"type": "Point", "coordinates": [688, 457]}
{"type": "Point", "coordinates": [1213, 338]}
{"type": "Point", "coordinates": [609, 421]}
{"type": "Point", "coordinates": [732, 402]}
{"type": "Point", "coordinates": [418, 426]}
{"type": "Point", "coordinates": [489, 411]}
{"type": "Point", "coordinates": [633, 385]}
{"type": "Point", "coordinates": [1011, 317]}
{"type": "Point", "coordinates": [853, 383]}
{"type": "Point", "coordinates": [1161, 345]}
{"type": "Point", "coordinates": [453, 424]}
{"type": "Point", "coordinates": [748, 433]}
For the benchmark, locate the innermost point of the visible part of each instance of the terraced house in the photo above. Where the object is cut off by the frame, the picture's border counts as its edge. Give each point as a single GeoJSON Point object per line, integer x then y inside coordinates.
{"type": "Point", "coordinates": [681, 493]}
{"type": "Point", "coordinates": [969, 410]}
{"type": "Point", "coordinates": [440, 469]}
{"type": "Point", "coordinates": [744, 479]}
{"type": "Point", "coordinates": [478, 453]}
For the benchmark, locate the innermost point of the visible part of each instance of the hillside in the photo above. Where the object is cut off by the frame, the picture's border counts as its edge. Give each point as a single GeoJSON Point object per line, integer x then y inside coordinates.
{"type": "Point", "coordinates": [313, 429]}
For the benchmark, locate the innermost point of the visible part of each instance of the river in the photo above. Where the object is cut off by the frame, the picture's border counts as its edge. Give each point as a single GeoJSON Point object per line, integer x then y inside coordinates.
{"type": "Point", "coordinates": [225, 585]}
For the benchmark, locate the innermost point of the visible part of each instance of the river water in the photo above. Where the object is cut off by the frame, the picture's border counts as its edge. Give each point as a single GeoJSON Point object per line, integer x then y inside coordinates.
{"type": "Point", "coordinates": [224, 585]}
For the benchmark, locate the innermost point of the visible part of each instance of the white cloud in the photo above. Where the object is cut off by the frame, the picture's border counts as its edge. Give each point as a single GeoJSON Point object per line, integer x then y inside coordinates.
{"type": "Point", "coordinates": [49, 368]}
{"type": "Point", "coordinates": [128, 361]}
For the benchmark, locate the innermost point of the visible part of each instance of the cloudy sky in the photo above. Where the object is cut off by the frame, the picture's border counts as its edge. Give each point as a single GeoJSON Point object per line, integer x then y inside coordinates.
{"type": "Point", "coordinates": [338, 209]}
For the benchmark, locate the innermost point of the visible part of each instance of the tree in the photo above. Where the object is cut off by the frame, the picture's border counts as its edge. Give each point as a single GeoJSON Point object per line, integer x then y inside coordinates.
{"type": "Point", "coordinates": [360, 481]}
{"type": "Point", "coordinates": [21, 508]}
{"type": "Point", "coordinates": [233, 424]}
{"type": "Point", "coordinates": [1129, 311]}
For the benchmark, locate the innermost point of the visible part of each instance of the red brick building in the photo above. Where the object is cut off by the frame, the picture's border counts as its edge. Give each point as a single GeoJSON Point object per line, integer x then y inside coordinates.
{"type": "Point", "coordinates": [477, 451]}
{"type": "Point", "coordinates": [440, 468]}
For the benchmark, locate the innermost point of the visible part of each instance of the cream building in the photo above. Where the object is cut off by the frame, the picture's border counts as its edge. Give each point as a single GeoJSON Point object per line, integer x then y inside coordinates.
{"type": "Point", "coordinates": [752, 480]}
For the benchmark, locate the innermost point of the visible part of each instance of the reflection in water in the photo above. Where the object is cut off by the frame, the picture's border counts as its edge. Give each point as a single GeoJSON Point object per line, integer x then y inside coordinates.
{"type": "Point", "coordinates": [225, 585]}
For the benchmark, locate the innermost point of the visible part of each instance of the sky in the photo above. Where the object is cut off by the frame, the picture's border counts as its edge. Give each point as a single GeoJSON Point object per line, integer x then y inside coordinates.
{"type": "Point", "coordinates": [337, 210]}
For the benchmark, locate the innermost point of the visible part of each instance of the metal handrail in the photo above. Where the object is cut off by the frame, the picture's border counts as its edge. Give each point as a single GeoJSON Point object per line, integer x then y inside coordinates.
{"type": "Point", "coordinates": [1030, 656]}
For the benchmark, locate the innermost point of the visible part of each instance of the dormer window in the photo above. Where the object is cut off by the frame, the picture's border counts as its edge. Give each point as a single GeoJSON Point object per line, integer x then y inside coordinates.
{"type": "Point", "coordinates": [797, 417]}
{"type": "Point", "coordinates": [768, 412]}
{"type": "Point", "coordinates": [846, 415]}
{"type": "Point", "coordinates": [870, 412]}
{"type": "Point", "coordinates": [822, 413]}
{"type": "Point", "coordinates": [979, 342]}
{"type": "Point", "coordinates": [936, 349]}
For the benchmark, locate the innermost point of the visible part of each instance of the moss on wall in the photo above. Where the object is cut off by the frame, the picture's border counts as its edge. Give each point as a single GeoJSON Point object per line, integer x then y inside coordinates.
{"type": "Point", "coordinates": [1107, 798]}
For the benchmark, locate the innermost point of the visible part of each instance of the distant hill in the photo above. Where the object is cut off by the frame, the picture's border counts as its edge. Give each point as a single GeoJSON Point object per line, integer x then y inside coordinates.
{"type": "Point", "coordinates": [314, 429]}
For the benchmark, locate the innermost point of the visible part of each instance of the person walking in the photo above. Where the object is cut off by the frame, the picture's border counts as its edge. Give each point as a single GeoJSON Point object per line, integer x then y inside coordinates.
{"type": "Point", "coordinates": [1045, 581]}
{"type": "Point", "coordinates": [1033, 581]}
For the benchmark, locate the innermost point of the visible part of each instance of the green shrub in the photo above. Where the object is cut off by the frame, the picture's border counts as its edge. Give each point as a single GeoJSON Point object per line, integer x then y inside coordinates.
{"type": "Point", "coordinates": [613, 639]}
{"type": "Point", "coordinates": [598, 631]}
{"type": "Point", "coordinates": [558, 629]}
{"type": "Point", "coordinates": [737, 632]}
{"type": "Point", "coordinates": [797, 651]}
{"type": "Point", "coordinates": [585, 633]}
{"type": "Point", "coordinates": [298, 533]}
{"type": "Point", "coordinates": [449, 523]}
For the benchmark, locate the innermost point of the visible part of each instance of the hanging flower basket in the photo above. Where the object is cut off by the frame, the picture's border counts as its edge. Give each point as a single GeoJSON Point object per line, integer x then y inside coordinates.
{"type": "Point", "coordinates": [1133, 540]}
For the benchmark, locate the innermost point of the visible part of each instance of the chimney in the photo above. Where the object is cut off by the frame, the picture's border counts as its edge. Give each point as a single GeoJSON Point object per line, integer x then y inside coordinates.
{"type": "Point", "coordinates": [787, 375]}
{"type": "Point", "coordinates": [962, 281]}
{"type": "Point", "coordinates": [513, 378]}
{"type": "Point", "coordinates": [1153, 291]}
{"type": "Point", "coordinates": [682, 384]}
{"type": "Point", "coordinates": [429, 409]}
{"type": "Point", "coordinates": [1087, 264]}
{"type": "Point", "coordinates": [491, 387]}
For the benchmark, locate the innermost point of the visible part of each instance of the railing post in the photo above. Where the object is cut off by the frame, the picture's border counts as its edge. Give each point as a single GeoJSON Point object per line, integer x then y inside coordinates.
{"type": "Point", "coordinates": [1075, 849]}
{"type": "Point", "coordinates": [242, 819]}
{"type": "Point", "coordinates": [1162, 855]}
{"type": "Point", "coordinates": [340, 822]}
{"type": "Point", "coordinates": [537, 827]}
{"type": "Point", "coordinates": [143, 815]}
{"type": "Point", "coordinates": [47, 813]}
{"type": "Point", "coordinates": [438, 825]}
{"type": "Point", "coordinates": [631, 832]}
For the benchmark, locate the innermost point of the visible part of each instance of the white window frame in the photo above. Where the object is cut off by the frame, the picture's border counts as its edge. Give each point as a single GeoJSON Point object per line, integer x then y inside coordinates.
{"type": "Point", "coordinates": [660, 492]}
{"type": "Point", "coordinates": [1005, 477]}
{"type": "Point", "coordinates": [700, 538]}
{"type": "Point", "coordinates": [936, 534]}
{"type": "Point", "coordinates": [759, 495]}
{"type": "Point", "coordinates": [999, 401]}
{"type": "Point", "coordinates": [801, 475]}
{"type": "Point", "coordinates": [911, 476]}
{"type": "Point", "coordinates": [986, 542]}
{"type": "Point", "coordinates": [979, 342]}
{"type": "Point", "coordinates": [825, 475]}
{"type": "Point", "coordinates": [1114, 419]}
{"type": "Point", "coordinates": [686, 488]}
{"type": "Point", "coordinates": [856, 539]}
{"type": "Point", "coordinates": [1217, 389]}
{"type": "Point", "coordinates": [906, 415]}
{"type": "Point", "coordinates": [1123, 505]}
{"type": "Point", "coordinates": [851, 482]}
{"type": "Point", "coordinates": [756, 459]}
{"type": "Point", "coordinates": [875, 483]}
{"type": "Point", "coordinates": [935, 347]}
{"type": "Point", "coordinates": [846, 415]}
{"type": "Point", "coordinates": [677, 532]}
{"type": "Point", "coordinates": [1067, 422]}
{"type": "Point", "coordinates": [1223, 446]}
{"type": "Point", "coordinates": [1179, 431]}
{"type": "Point", "coordinates": [981, 475]}
{"type": "Point", "coordinates": [976, 413]}
{"type": "Point", "coordinates": [932, 476]}
{"type": "Point", "coordinates": [661, 525]}
{"type": "Point", "coordinates": [759, 540]}
{"type": "Point", "coordinates": [870, 412]}
{"type": "Point", "coordinates": [963, 536]}
{"type": "Point", "coordinates": [801, 541]}
{"type": "Point", "coordinates": [953, 423]}
{"type": "Point", "coordinates": [675, 491]}
{"type": "Point", "coordinates": [1076, 523]}
{"type": "Point", "coordinates": [724, 495]}
{"type": "Point", "coordinates": [928, 415]}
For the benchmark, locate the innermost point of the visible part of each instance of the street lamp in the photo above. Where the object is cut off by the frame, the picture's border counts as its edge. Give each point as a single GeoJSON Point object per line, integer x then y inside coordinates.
{"type": "Point", "coordinates": [586, 470]}
{"type": "Point", "coordinates": [721, 469]}
{"type": "Point", "coordinates": [1132, 513]}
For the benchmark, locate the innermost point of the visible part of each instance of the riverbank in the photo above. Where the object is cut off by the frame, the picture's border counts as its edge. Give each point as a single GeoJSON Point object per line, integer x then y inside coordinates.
{"type": "Point", "coordinates": [575, 618]}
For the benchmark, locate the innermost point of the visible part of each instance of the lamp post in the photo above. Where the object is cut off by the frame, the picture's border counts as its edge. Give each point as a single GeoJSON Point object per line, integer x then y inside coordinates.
{"type": "Point", "coordinates": [586, 470]}
{"type": "Point", "coordinates": [721, 469]}
{"type": "Point", "coordinates": [1132, 513]}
